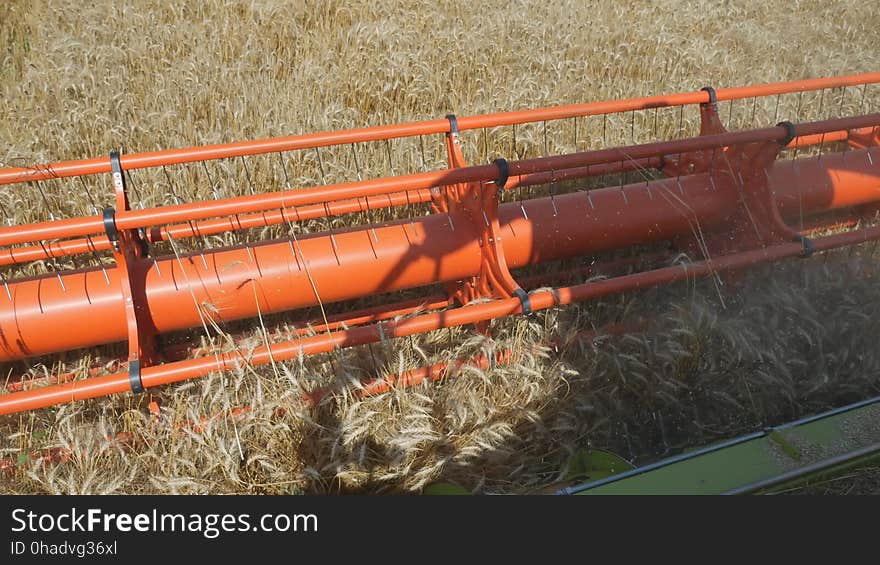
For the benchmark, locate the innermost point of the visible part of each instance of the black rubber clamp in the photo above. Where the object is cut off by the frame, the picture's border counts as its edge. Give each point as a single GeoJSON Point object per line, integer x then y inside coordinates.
{"type": "Point", "coordinates": [524, 300]}
{"type": "Point", "coordinates": [791, 132]}
{"type": "Point", "coordinates": [110, 225]}
{"type": "Point", "coordinates": [713, 97]}
{"type": "Point", "coordinates": [134, 376]}
{"type": "Point", "coordinates": [503, 172]}
{"type": "Point", "coordinates": [809, 248]}
{"type": "Point", "coordinates": [453, 124]}
{"type": "Point", "coordinates": [116, 164]}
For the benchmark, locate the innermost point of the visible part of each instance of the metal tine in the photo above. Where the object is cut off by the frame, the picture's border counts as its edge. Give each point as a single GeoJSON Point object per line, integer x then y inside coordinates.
{"type": "Point", "coordinates": [862, 103]}
{"type": "Point", "coordinates": [247, 174]}
{"type": "Point", "coordinates": [289, 187]}
{"type": "Point", "coordinates": [55, 265]}
{"type": "Point", "coordinates": [654, 126]}
{"type": "Point", "coordinates": [800, 185]}
{"type": "Point", "coordinates": [776, 111]}
{"type": "Point", "coordinates": [644, 173]}
{"type": "Point", "coordinates": [295, 249]}
{"type": "Point", "coordinates": [192, 225]}
{"type": "Point", "coordinates": [409, 208]}
{"type": "Point", "coordinates": [546, 143]}
{"type": "Point", "coordinates": [6, 214]}
{"type": "Point", "coordinates": [422, 150]}
{"type": "Point", "coordinates": [210, 181]}
{"type": "Point", "coordinates": [513, 143]}
{"type": "Point", "coordinates": [681, 121]}
{"type": "Point", "coordinates": [483, 210]}
{"type": "Point", "coordinates": [6, 286]}
{"type": "Point", "coordinates": [604, 131]}
{"type": "Point", "coordinates": [754, 111]}
{"type": "Point", "coordinates": [696, 228]}
{"type": "Point", "coordinates": [247, 247]}
{"type": "Point", "coordinates": [179, 200]}
{"type": "Point", "coordinates": [137, 198]}
{"type": "Point", "coordinates": [326, 207]}
{"type": "Point", "coordinates": [43, 196]}
{"type": "Point", "coordinates": [390, 161]}
{"type": "Point", "coordinates": [321, 165]}
{"type": "Point", "coordinates": [729, 113]}
{"type": "Point", "coordinates": [205, 241]}
{"type": "Point", "coordinates": [552, 183]}
{"type": "Point", "coordinates": [89, 194]}
{"type": "Point", "coordinates": [101, 263]}
{"type": "Point", "coordinates": [603, 178]}
{"type": "Point", "coordinates": [357, 166]}
{"type": "Point", "coordinates": [632, 126]}
{"type": "Point", "coordinates": [189, 285]}
{"type": "Point", "coordinates": [448, 214]}
{"type": "Point", "coordinates": [588, 192]}
{"type": "Point", "coordinates": [284, 171]}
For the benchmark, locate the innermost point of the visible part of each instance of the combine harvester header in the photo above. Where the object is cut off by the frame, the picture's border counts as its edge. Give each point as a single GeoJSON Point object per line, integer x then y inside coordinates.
{"type": "Point", "coordinates": [725, 198]}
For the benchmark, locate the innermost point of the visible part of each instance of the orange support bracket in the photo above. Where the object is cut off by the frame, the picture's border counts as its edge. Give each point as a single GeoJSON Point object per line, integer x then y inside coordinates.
{"type": "Point", "coordinates": [478, 202]}
{"type": "Point", "coordinates": [756, 221]}
{"type": "Point", "coordinates": [130, 248]}
{"type": "Point", "coordinates": [701, 160]}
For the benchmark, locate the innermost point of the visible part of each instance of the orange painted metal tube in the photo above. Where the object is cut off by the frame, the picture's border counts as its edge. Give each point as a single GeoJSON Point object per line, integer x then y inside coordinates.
{"type": "Point", "coordinates": [64, 248]}
{"type": "Point", "coordinates": [684, 99]}
{"type": "Point", "coordinates": [471, 314]}
{"type": "Point", "coordinates": [290, 143]}
{"type": "Point", "coordinates": [829, 137]}
{"type": "Point", "coordinates": [284, 275]}
{"type": "Point", "coordinates": [136, 219]}
{"type": "Point", "coordinates": [68, 247]}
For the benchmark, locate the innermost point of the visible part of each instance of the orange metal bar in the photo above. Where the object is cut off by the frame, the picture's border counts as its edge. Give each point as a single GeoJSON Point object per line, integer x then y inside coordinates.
{"type": "Point", "coordinates": [178, 293]}
{"type": "Point", "coordinates": [278, 276]}
{"type": "Point", "coordinates": [63, 248]}
{"type": "Point", "coordinates": [290, 143]}
{"type": "Point", "coordinates": [185, 370]}
{"type": "Point", "coordinates": [136, 219]}
{"type": "Point", "coordinates": [700, 97]}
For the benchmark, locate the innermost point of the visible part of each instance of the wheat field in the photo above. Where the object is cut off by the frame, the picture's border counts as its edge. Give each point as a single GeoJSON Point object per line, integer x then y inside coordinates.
{"type": "Point", "coordinates": [77, 80]}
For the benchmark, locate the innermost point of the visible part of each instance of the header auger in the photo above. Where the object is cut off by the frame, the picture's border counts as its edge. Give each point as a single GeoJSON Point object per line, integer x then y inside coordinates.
{"type": "Point", "coordinates": [724, 197]}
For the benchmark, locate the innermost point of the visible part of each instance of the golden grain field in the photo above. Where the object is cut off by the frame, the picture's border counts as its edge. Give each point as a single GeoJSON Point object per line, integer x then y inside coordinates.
{"type": "Point", "coordinates": [77, 80]}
